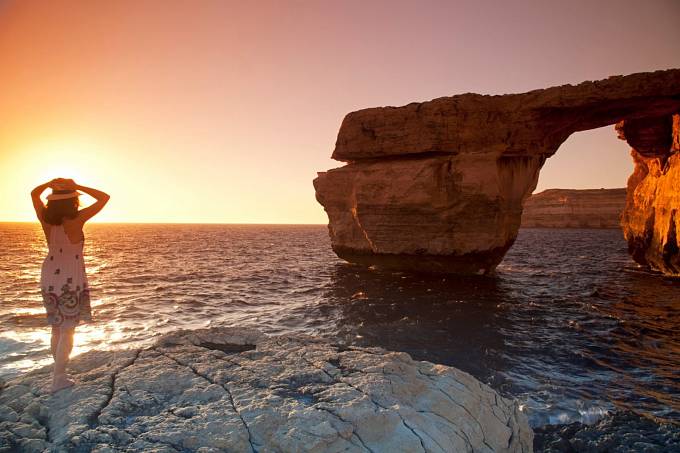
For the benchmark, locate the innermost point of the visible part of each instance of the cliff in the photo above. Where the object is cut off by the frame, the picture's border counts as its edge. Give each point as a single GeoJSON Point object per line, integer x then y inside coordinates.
{"type": "Point", "coordinates": [568, 208]}
{"type": "Point", "coordinates": [225, 389]}
{"type": "Point", "coordinates": [439, 186]}
{"type": "Point", "coordinates": [650, 220]}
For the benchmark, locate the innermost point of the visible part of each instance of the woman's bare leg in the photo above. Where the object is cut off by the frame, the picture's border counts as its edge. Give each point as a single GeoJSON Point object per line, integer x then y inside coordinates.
{"type": "Point", "coordinates": [54, 341]}
{"type": "Point", "coordinates": [64, 348]}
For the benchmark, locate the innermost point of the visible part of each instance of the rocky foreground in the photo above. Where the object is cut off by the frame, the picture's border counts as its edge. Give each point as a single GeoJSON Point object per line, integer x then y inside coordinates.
{"type": "Point", "coordinates": [570, 208]}
{"type": "Point", "coordinates": [232, 390]}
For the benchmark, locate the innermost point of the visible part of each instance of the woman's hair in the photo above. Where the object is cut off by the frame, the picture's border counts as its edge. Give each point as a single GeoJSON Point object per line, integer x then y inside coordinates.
{"type": "Point", "coordinates": [58, 210]}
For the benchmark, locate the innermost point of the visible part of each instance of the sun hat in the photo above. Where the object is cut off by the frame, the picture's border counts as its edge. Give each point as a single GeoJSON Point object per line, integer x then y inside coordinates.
{"type": "Point", "coordinates": [62, 194]}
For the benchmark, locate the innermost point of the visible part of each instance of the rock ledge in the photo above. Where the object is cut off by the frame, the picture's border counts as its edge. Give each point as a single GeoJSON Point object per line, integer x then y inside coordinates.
{"type": "Point", "coordinates": [224, 389]}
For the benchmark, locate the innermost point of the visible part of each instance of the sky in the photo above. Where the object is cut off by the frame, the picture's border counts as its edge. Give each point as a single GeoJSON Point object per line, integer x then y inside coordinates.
{"type": "Point", "coordinates": [221, 111]}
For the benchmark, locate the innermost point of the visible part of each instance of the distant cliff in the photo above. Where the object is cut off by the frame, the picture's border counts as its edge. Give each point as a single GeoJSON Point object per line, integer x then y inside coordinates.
{"type": "Point", "coordinates": [568, 208]}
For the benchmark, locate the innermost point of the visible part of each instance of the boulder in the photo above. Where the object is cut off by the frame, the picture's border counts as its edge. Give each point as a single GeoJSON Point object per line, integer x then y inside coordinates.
{"type": "Point", "coordinates": [439, 186]}
{"type": "Point", "coordinates": [223, 389]}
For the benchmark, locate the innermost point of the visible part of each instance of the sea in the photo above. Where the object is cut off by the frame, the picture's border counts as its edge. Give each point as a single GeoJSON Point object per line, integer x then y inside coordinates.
{"type": "Point", "coordinates": [569, 325]}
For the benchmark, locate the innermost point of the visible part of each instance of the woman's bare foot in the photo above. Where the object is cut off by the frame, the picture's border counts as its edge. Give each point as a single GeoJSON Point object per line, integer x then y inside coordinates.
{"type": "Point", "coordinates": [61, 382]}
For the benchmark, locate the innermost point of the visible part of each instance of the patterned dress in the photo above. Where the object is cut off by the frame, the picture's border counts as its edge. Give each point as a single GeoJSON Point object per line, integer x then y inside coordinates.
{"type": "Point", "coordinates": [65, 293]}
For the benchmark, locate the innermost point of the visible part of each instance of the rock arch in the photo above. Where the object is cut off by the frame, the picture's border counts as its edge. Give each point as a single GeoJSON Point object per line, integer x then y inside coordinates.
{"type": "Point", "coordinates": [439, 186]}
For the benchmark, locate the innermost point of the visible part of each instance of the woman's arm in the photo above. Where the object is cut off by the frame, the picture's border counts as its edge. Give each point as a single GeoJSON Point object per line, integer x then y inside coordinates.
{"type": "Point", "coordinates": [38, 204]}
{"type": "Point", "coordinates": [102, 198]}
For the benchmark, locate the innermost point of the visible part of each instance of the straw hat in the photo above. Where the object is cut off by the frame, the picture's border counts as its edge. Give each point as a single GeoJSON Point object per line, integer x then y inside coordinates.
{"type": "Point", "coordinates": [62, 194]}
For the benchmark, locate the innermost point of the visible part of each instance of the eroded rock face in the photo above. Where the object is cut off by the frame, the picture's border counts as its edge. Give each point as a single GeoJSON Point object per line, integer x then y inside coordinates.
{"type": "Point", "coordinates": [440, 185]}
{"type": "Point", "coordinates": [412, 213]}
{"type": "Point", "coordinates": [569, 208]}
{"type": "Point", "coordinates": [233, 390]}
{"type": "Point", "coordinates": [651, 220]}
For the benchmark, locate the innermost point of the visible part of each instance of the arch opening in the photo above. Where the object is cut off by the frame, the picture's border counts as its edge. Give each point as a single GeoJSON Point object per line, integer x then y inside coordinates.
{"type": "Point", "coordinates": [583, 185]}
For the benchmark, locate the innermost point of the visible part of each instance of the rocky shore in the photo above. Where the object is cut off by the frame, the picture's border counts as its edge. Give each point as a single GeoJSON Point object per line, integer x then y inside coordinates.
{"type": "Point", "coordinates": [226, 389]}
{"type": "Point", "coordinates": [622, 432]}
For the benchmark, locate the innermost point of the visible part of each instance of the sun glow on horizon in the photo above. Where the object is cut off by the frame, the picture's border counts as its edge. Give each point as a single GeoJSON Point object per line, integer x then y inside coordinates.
{"type": "Point", "coordinates": [224, 113]}
{"type": "Point", "coordinates": [41, 161]}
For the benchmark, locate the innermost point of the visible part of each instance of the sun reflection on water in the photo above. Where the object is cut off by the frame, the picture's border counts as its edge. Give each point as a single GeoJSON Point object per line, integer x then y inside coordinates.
{"type": "Point", "coordinates": [29, 311]}
{"type": "Point", "coordinates": [89, 336]}
{"type": "Point", "coordinates": [86, 338]}
{"type": "Point", "coordinates": [30, 364]}
{"type": "Point", "coordinates": [33, 336]}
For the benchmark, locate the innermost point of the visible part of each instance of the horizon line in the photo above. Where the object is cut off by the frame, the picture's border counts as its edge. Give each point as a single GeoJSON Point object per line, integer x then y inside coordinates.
{"type": "Point", "coordinates": [176, 223]}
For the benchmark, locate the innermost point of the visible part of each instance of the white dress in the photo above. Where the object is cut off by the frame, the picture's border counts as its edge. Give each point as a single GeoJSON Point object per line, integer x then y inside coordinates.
{"type": "Point", "coordinates": [63, 282]}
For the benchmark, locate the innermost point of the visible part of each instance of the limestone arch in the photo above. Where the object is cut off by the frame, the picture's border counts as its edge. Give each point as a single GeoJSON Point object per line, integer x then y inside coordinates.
{"type": "Point", "coordinates": [438, 186]}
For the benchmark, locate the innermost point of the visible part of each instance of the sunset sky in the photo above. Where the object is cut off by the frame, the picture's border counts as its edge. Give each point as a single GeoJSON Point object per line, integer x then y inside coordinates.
{"type": "Point", "coordinates": [219, 111]}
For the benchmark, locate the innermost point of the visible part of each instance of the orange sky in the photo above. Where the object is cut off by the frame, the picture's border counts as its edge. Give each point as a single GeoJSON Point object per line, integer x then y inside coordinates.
{"type": "Point", "coordinates": [218, 111]}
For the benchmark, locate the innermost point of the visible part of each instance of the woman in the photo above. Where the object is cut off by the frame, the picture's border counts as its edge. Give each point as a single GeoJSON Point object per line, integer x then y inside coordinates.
{"type": "Point", "coordinates": [63, 281]}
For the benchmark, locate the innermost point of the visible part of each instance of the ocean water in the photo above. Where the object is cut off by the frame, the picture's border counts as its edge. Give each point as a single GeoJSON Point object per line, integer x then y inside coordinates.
{"type": "Point", "coordinates": [569, 325]}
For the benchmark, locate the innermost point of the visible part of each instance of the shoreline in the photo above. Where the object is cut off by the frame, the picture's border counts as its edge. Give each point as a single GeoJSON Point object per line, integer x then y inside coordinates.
{"type": "Point", "coordinates": [620, 431]}
{"type": "Point", "coordinates": [615, 431]}
{"type": "Point", "coordinates": [236, 389]}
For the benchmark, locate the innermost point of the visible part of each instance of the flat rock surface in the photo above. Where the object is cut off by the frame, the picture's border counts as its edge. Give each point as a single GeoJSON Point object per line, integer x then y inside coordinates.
{"type": "Point", "coordinates": [224, 389]}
